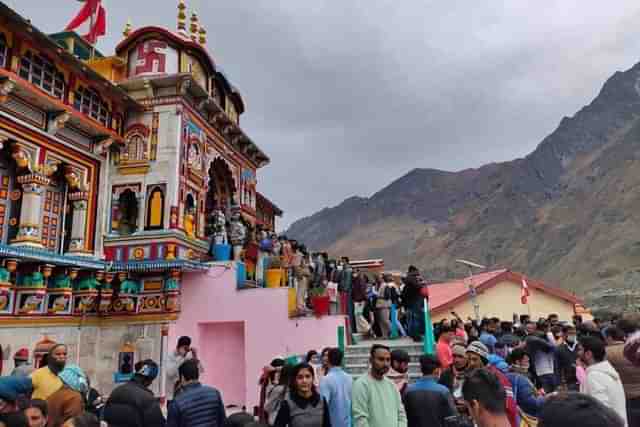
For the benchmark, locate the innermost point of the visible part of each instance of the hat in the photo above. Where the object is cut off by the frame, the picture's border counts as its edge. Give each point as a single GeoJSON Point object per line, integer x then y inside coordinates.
{"type": "Point", "coordinates": [74, 377]}
{"type": "Point", "coordinates": [21, 355]}
{"type": "Point", "coordinates": [13, 386]}
{"type": "Point", "coordinates": [147, 368]}
{"type": "Point", "coordinates": [480, 349]}
{"type": "Point", "coordinates": [459, 350]}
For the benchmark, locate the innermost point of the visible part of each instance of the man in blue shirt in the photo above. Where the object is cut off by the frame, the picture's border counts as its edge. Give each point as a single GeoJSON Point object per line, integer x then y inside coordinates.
{"type": "Point", "coordinates": [335, 387]}
{"type": "Point", "coordinates": [428, 403]}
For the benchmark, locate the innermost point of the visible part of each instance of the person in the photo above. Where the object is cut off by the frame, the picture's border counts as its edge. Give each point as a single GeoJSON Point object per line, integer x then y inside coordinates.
{"type": "Point", "coordinates": [576, 409]}
{"type": "Point", "coordinates": [195, 405]}
{"type": "Point", "coordinates": [83, 420]}
{"type": "Point", "coordinates": [485, 398]}
{"type": "Point", "coordinates": [414, 302]}
{"type": "Point", "coordinates": [240, 419]}
{"type": "Point", "coordinates": [36, 412]}
{"type": "Point", "coordinates": [11, 389]}
{"type": "Point", "coordinates": [376, 402]}
{"type": "Point", "coordinates": [183, 352]}
{"type": "Point", "coordinates": [399, 371]}
{"type": "Point", "coordinates": [486, 336]}
{"type": "Point", "coordinates": [443, 348]}
{"type": "Point", "coordinates": [453, 376]}
{"type": "Point", "coordinates": [45, 380]}
{"type": "Point", "coordinates": [383, 307]}
{"type": "Point", "coordinates": [68, 402]}
{"type": "Point", "coordinates": [542, 353]}
{"type": "Point", "coordinates": [359, 299]}
{"type": "Point", "coordinates": [276, 392]}
{"type": "Point", "coordinates": [304, 406]}
{"type": "Point", "coordinates": [566, 354]}
{"type": "Point", "coordinates": [428, 403]}
{"type": "Point", "coordinates": [132, 404]}
{"type": "Point", "coordinates": [336, 388]}
{"type": "Point", "coordinates": [22, 366]}
{"type": "Point", "coordinates": [603, 381]}
{"type": "Point", "coordinates": [478, 358]}
{"type": "Point", "coordinates": [629, 374]}
{"type": "Point", "coordinates": [524, 391]}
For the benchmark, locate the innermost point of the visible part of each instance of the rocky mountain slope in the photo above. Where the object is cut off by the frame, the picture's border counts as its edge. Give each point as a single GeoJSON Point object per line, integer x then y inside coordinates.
{"type": "Point", "coordinates": [568, 213]}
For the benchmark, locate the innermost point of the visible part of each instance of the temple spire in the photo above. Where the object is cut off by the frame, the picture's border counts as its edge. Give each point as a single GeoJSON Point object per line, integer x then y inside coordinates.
{"type": "Point", "coordinates": [182, 18]}
{"type": "Point", "coordinates": [127, 29]}
{"type": "Point", "coordinates": [195, 26]}
{"type": "Point", "coordinates": [203, 36]}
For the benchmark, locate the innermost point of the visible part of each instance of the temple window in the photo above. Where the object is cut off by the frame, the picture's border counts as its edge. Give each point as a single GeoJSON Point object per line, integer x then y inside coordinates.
{"type": "Point", "coordinates": [4, 50]}
{"type": "Point", "coordinates": [90, 103]}
{"type": "Point", "coordinates": [43, 73]}
{"type": "Point", "coordinates": [128, 210]}
{"type": "Point", "coordinates": [136, 147]}
{"type": "Point", "coordinates": [155, 209]}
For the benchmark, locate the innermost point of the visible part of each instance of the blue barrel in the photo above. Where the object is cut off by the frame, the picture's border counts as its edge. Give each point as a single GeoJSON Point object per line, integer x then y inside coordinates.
{"type": "Point", "coordinates": [241, 274]}
{"type": "Point", "coordinates": [222, 252]}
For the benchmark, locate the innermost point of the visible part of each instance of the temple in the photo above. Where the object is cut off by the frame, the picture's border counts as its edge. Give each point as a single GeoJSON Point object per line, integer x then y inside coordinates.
{"type": "Point", "coordinates": [118, 174]}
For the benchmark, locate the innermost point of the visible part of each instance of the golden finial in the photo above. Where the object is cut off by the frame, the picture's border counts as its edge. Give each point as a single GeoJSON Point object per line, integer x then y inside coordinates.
{"type": "Point", "coordinates": [182, 18]}
{"type": "Point", "coordinates": [127, 29]}
{"type": "Point", "coordinates": [195, 26]}
{"type": "Point", "coordinates": [203, 36]}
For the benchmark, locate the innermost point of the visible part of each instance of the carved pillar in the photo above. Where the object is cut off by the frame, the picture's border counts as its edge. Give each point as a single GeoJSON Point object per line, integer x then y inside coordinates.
{"type": "Point", "coordinates": [78, 244]}
{"type": "Point", "coordinates": [29, 233]}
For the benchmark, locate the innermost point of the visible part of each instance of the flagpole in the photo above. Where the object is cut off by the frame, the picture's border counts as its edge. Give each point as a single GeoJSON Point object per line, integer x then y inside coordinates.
{"type": "Point", "coordinates": [92, 41]}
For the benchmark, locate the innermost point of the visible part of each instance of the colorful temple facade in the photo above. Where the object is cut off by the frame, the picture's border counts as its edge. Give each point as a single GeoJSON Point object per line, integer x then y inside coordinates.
{"type": "Point", "coordinates": [116, 174]}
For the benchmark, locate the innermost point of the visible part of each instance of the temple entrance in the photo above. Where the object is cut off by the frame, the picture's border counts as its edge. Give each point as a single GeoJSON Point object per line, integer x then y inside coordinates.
{"type": "Point", "coordinates": [222, 191]}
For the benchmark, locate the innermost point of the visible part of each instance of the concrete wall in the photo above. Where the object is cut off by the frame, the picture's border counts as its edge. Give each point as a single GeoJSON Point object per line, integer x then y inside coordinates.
{"type": "Point", "coordinates": [503, 299]}
{"type": "Point", "coordinates": [234, 356]}
{"type": "Point", "coordinates": [99, 347]}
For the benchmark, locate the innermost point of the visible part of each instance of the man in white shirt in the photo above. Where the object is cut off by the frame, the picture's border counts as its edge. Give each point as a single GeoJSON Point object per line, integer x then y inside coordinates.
{"type": "Point", "coordinates": [175, 359]}
{"type": "Point", "coordinates": [603, 381]}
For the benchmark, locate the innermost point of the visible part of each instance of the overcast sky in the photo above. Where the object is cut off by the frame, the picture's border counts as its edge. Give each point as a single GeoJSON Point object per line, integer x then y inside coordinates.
{"type": "Point", "coordinates": [346, 96]}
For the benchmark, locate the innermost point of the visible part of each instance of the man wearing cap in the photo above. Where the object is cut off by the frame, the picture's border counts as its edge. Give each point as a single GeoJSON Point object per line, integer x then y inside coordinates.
{"type": "Point", "coordinates": [133, 404]}
{"type": "Point", "coordinates": [23, 367]}
{"type": "Point", "coordinates": [11, 388]}
{"type": "Point", "coordinates": [478, 358]}
{"type": "Point", "coordinates": [175, 359]}
{"type": "Point", "coordinates": [453, 376]}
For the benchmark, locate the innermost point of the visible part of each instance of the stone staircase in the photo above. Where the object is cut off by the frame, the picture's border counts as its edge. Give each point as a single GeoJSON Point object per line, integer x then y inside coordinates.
{"type": "Point", "coordinates": [356, 357]}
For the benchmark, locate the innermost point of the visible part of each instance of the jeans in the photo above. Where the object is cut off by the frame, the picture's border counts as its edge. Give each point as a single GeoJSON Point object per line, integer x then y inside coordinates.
{"type": "Point", "coordinates": [633, 412]}
{"type": "Point", "coordinates": [416, 318]}
{"type": "Point", "coordinates": [383, 318]}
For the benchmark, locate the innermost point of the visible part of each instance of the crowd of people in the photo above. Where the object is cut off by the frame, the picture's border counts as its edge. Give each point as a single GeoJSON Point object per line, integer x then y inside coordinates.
{"type": "Point", "coordinates": [490, 374]}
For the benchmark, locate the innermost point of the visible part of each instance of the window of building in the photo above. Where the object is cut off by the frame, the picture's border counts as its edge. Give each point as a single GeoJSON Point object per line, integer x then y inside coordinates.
{"type": "Point", "coordinates": [136, 148]}
{"type": "Point", "coordinates": [4, 50]}
{"type": "Point", "coordinates": [41, 72]}
{"type": "Point", "coordinates": [90, 103]}
{"type": "Point", "coordinates": [128, 213]}
{"type": "Point", "coordinates": [155, 209]}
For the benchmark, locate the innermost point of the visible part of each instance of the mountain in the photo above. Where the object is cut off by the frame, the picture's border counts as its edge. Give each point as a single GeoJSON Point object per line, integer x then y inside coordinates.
{"type": "Point", "coordinates": [568, 213]}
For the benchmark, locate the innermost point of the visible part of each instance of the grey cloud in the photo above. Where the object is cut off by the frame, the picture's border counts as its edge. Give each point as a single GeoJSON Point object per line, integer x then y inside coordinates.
{"type": "Point", "coordinates": [347, 96]}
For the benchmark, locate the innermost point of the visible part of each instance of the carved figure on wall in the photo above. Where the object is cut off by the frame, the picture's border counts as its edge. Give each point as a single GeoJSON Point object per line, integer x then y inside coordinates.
{"type": "Point", "coordinates": [5, 275]}
{"type": "Point", "coordinates": [189, 223]}
{"type": "Point", "coordinates": [219, 227]}
{"type": "Point", "coordinates": [87, 284]}
{"type": "Point", "coordinates": [237, 234]}
{"type": "Point", "coordinates": [130, 287]}
{"type": "Point", "coordinates": [61, 282]}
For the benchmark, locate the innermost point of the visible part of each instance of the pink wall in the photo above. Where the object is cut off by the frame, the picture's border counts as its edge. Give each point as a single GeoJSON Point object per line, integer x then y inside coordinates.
{"type": "Point", "coordinates": [211, 298]}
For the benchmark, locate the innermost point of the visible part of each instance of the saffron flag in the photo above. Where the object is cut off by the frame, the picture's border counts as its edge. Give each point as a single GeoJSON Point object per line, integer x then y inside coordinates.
{"type": "Point", "coordinates": [524, 294]}
{"type": "Point", "coordinates": [95, 12]}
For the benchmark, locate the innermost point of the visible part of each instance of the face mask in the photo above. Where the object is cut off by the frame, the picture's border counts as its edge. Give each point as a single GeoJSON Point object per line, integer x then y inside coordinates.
{"type": "Point", "coordinates": [571, 338]}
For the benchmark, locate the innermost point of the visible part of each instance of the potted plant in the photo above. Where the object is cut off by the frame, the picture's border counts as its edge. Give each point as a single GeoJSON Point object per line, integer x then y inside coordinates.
{"type": "Point", "coordinates": [273, 275]}
{"type": "Point", "coordinates": [319, 300]}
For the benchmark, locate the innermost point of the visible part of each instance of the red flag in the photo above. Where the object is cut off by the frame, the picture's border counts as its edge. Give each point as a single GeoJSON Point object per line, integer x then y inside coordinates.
{"type": "Point", "coordinates": [524, 293]}
{"type": "Point", "coordinates": [85, 13]}
{"type": "Point", "coordinates": [99, 26]}
{"type": "Point", "coordinates": [91, 9]}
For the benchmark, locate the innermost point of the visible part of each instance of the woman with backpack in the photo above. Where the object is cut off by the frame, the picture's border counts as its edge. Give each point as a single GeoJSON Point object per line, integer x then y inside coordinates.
{"type": "Point", "coordinates": [303, 405]}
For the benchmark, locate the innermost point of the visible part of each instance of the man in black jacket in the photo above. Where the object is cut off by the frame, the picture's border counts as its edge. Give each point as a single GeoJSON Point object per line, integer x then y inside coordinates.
{"type": "Point", "coordinates": [133, 404]}
{"type": "Point", "coordinates": [414, 302]}
{"type": "Point", "coordinates": [428, 403]}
